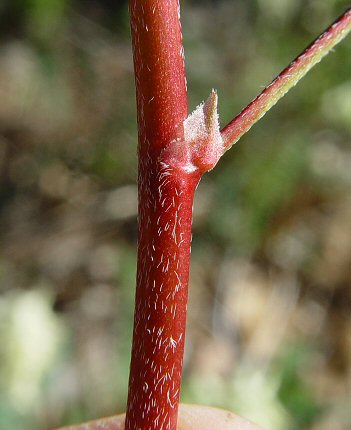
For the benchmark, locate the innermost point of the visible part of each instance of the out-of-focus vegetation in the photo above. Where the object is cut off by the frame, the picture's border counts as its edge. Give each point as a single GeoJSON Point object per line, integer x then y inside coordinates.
{"type": "Point", "coordinates": [270, 299]}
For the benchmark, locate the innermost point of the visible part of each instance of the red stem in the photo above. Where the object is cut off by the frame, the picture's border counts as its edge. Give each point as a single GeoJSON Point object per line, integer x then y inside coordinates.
{"type": "Point", "coordinates": [165, 216]}
{"type": "Point", "coordinates": [173, 154]}
{"type": "Point", "coordinates": [159, 72]}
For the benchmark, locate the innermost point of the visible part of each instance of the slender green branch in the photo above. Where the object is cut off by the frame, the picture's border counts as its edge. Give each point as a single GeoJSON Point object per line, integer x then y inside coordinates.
{"type": "Point", "coordinates": [286, 80]}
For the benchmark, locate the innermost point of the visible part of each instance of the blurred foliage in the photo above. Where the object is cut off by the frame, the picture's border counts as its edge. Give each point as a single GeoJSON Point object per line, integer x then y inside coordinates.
{"type": "Point", "coordinates": [293, 391]}
{"type": "Point", "coordinates": [269, 333]}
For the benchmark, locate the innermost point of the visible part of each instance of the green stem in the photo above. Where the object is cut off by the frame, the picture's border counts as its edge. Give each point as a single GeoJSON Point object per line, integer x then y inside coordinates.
{"type": "Point", "coordinates": [288, 78]}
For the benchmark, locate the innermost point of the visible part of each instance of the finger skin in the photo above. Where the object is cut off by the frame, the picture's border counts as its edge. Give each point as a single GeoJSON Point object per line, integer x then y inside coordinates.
{"type": "Point", "coordinates": [194, 417]}
{"type": "Point", "coordinates": [191, 417]}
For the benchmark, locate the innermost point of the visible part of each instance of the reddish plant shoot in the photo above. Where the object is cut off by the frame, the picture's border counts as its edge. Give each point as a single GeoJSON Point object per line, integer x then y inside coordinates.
{"type": "Point", "coordinates": [165, 213]}
{"type": "Point", "coordinates": [174, 151]}
{"type": "Point", "coordinates": [172, 158]}
{"type": "Point", "coordinates": [288, 78]}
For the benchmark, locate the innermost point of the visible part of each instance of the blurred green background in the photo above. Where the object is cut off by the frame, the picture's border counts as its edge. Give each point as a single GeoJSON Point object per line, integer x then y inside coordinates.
{"type": "Point", "coordinates": [269, 326]}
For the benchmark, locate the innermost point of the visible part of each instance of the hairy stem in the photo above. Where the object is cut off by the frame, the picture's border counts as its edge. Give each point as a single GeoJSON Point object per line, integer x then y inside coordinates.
{"type": "Point", "coordinates": [286, 80]}
{"type": "Point", "coordinates": [165, 215]}
{"type": "Point", "coordinates": [174, 151]}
